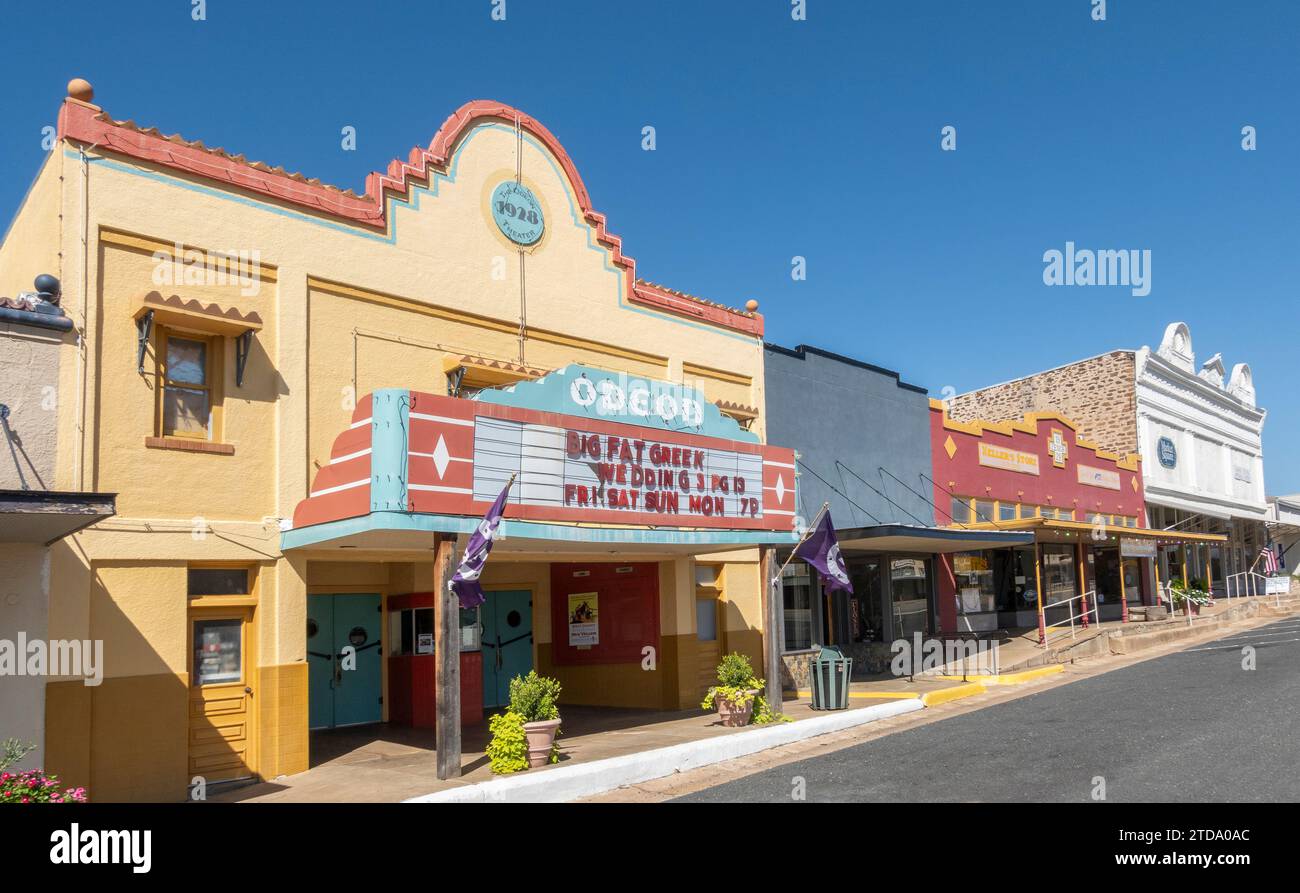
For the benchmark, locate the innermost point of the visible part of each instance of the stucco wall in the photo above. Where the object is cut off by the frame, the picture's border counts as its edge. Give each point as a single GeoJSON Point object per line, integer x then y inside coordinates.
{"type": "Point", "coordinates": [29, 380]}
{"type": "Point", "coordinates": [31, 244]}
{"type": "Point", "coordinates": [22, 610]}
{"type": "Point", "coordinates": [848, 418]}
{"type": "Point", "coordinates": [1098, 394]}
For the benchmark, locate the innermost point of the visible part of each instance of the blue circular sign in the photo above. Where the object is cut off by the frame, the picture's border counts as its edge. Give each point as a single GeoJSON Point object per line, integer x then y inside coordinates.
{"type": "Point", "coordinates": [517, 213]}
{"type": "Point", "coordinates": [1166, 452]}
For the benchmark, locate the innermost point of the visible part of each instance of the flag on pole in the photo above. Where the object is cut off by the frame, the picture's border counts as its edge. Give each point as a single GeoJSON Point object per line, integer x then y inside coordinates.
{"type": "Point", "coordinates": [1270, 559]}
{"type": "Point", "coordinates": [465, 581]}
{"type": "Point", "coordinates": [822, 551]}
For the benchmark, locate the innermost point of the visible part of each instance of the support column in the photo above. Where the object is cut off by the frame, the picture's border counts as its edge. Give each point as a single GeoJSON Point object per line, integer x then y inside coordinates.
{"type": "Point", "coordinates": [1209, 570]}
{"type": "Point", "coordinates": [772, 617]}
{"type": "Point", "coordinates": [446, 647]}
{"type": "Point", "coordinates": [1038, 590]}
{"type": "Point", "coordinates": [1083, 585]}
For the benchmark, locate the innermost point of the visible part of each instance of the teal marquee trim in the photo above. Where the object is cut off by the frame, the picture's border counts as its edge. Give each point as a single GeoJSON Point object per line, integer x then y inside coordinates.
{"type": "Point", "coordinates": [318, 534]}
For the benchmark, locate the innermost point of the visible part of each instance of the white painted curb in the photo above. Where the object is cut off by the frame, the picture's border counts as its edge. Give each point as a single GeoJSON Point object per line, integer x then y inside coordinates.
{"type": "Point", "coordinates": [564, 783]}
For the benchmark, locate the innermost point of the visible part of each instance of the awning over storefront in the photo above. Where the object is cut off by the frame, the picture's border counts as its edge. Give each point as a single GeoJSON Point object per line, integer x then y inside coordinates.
{"type": "Point", "coordinates": [910, 538]}
{"type": "Point", "coordinates": [1048, 528]}
{"type": "Point", "coordinates": [601, 462]}
{"type": "Point", "coordinates": [44, 516]}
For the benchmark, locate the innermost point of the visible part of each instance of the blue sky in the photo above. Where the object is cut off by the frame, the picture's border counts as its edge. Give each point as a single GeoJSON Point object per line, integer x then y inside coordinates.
{"type": "Point", "coordinates": [779, 138]}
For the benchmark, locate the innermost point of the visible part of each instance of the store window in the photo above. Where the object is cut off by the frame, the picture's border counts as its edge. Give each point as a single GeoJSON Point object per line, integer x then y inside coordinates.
{"type": "Point", "coordinates": [1029, 511]}
{"type": "Point", "coordinates": [976, 592]}
{"type": "Point", "coordinates": [1059, 580]}
{"type": "Point", "coordinates": [706, 619]}
{"type": "Point", "coordinates": [983, 511]}
{"type": "Point", "coordinates": [797, 597]}
{"type": "Point", "coordinates": [1006, 511]}
{"type": "Point", "coordinates": [909, 588]}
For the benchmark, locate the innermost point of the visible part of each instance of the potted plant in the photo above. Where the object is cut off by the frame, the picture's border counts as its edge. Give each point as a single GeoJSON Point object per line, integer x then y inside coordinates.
{"type": "Point", "coordinates": [534, 698]}
{"type": "Point", "coordinates": [738, 695]}
{"type": "Point", "coordinates": [1190, 600]}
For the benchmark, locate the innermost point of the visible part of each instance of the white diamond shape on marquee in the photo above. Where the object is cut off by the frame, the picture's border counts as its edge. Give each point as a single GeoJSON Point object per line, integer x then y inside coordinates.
{"type": "Point", "coordinates": [780, 489]}
{"type": "Point", "coordinates": [441, 457]}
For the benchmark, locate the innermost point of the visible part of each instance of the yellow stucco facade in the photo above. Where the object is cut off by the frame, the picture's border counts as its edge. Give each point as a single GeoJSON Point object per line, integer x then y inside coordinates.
{"type": "Point", "coordinates": [341, 306]}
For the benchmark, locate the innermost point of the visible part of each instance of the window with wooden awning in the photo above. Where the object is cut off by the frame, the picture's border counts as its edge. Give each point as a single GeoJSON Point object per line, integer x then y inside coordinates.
{"type": "Point", "coordinates": [188, 338]}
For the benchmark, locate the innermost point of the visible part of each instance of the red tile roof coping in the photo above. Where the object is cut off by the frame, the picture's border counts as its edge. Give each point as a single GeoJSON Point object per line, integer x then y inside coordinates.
{"type": "Point", "coordinates": [88, 124]}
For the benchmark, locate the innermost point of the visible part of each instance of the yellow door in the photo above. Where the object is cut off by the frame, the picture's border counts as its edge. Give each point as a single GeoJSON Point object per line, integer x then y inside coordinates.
{"type": "Point", "coordinates": [222, 680]}
{"type": "Point", "coordinates": [709, 644]}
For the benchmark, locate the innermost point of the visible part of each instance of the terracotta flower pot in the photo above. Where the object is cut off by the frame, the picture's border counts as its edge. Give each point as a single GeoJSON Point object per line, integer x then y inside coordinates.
{"type": "Point", "coordinates": [541, 737]}
{"type": "Point", "coordinates": [732, 715]}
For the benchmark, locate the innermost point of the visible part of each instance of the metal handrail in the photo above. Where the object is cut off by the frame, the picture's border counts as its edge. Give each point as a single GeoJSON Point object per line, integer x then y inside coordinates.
{"type": "Point", "coordinates": [1245, 581]}
{"type": "Point", "coordinates": [1096, 614]}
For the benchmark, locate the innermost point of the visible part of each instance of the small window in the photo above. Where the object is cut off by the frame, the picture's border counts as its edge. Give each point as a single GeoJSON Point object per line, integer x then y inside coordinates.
{"type": "Point", "coordinates": [218, 651]}
{"type": "Point", "coordinates": [1006, 511]}
{"type": "Point", "coordinates": [983, 511]}
{"type": "Point", "coordinates": [960, 510]}
{"type": "Point", "coordinates": [187, 387]}
{"type": "Point", "coordinates": [706, 619]}
{"type": "Point", "coordinates": [217, 581]}
{"type": "Point", "coordinates": [1029, 511]}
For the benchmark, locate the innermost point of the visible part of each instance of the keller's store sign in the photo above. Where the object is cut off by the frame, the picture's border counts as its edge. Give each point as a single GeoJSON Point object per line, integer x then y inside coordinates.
{"type": "Point", "coordinates": [1007, 459]}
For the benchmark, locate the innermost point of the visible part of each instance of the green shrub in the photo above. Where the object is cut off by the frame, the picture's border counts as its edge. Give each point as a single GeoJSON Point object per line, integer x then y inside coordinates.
{"type": "Point", "coordinates": [738, 684]}
{"type": "Point", "coordinates": [508, 749]}
{"type": "Point", "coordinates": [534, 697]}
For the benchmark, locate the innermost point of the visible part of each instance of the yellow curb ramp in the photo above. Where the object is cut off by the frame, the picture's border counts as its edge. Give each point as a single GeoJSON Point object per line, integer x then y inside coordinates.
{"type": "Point", "coordinates": [956, 693]}
{"type": "Point", "coordinates": [1025, 675]}
{"type": "Point", "coordinates": [886, 695]}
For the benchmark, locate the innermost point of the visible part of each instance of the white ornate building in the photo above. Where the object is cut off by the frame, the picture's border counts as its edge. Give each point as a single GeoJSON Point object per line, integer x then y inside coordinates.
{"type": "Point", "coordinates": [1199, 434]}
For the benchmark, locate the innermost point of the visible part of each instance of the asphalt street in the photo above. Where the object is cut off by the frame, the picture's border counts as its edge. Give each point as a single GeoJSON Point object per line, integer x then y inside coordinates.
{"type": "Point", "coordinates": [1192, 726]}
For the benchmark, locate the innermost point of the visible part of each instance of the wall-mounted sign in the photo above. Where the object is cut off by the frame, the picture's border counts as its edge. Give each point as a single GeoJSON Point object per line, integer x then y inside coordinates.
{"type": "Point", "coordinates": [1098, 477]}
{"type": "Point", "coordinates": [517, 213]}
{"type": "Point", "coordinates": [1007, 459]}
{"type": "Point", "coordinates": [424, 643]}
{"type": "Point", "coordinates": [584, 619]}
{"type": "Point", "coordinates": [1057, 446]}
{"type": "Point", "coordinates": [1135, 548]}
{"type": "Point", "coordinates": [1166, 452]}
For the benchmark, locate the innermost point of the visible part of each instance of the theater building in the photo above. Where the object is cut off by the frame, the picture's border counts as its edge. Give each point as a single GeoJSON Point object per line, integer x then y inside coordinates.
{"type": "Point", "coordinates": [1092, 551]}
{"type": "Point", "coordinates": [296, 391]}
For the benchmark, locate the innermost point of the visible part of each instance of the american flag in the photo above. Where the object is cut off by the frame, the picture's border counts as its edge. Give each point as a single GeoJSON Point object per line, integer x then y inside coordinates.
{"type": "Point", "coordinates": [1270, 559]}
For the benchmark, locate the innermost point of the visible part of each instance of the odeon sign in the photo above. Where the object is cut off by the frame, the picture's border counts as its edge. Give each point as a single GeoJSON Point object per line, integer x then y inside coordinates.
{"type": "Point", "coordinates": [610, 399]}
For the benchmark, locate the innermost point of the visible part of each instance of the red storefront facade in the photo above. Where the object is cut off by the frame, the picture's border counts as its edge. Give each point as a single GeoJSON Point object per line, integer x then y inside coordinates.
{"type": "Point", "coordinates": [1092, 555]}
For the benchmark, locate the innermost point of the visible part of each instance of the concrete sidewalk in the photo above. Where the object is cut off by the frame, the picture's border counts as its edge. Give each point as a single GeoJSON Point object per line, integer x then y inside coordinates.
{"type": "Point", "coordinates": [386, 763]}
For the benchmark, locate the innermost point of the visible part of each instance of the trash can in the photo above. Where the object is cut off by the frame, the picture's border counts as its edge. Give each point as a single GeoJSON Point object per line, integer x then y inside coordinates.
{"type": "Point", "coordinates": [830, 671]}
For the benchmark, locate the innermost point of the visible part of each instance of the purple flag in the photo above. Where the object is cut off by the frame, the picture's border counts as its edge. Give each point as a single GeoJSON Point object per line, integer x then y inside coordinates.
{"type": "Point", "coordinates": [465, 581]}
{"type": "Point", "coordinates": [822, 551]}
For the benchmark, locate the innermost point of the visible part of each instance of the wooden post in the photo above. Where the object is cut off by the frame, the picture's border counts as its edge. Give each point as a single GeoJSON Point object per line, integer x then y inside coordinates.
{"type": "Point", "coordinates": [1038, 589]}
{"type": "Point", "coordinates": [1209, 570]}
{"type": "Point", "coordinates": [772, 617]}
{"type": "Point", "coordinates": [1155, 567]}
{"type": "Point", "coordinates": [446, 647]}
{"type": "Point", "coordinates": [1083, 586]}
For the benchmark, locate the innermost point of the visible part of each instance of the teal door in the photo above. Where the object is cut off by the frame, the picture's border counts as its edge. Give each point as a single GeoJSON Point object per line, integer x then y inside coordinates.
{"type": "Point", "coordinates": [507, 642]}
{"type": "Point", "coordinates": [344, 670]}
